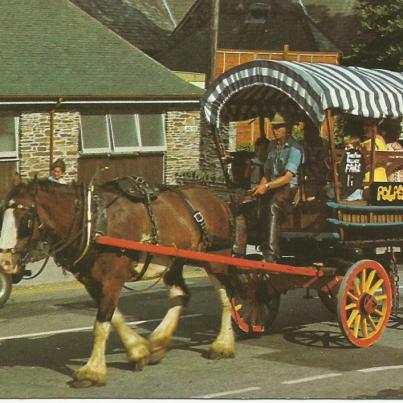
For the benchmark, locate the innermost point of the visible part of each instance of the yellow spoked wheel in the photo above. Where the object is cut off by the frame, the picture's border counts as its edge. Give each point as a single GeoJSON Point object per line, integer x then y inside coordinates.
{"type": "Point", "coordinates": [364, 303]}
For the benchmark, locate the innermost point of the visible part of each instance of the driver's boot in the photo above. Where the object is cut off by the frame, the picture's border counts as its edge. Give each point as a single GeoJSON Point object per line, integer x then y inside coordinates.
{"type": "Point", "coordinates": [271, 245]}
{"type": "Point", "coordinates": [239, 248]}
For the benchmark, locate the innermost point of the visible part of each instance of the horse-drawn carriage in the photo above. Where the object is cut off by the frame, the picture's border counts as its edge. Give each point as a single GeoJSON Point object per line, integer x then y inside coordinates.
{"type": "Point", "coordinates": [352, 245]}
{"type": "Point", "coordinates": [344, 250]}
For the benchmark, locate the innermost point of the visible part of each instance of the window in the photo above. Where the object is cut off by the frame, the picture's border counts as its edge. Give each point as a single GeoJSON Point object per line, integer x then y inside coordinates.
{"type": "Point", "coordinates": [258, 13]}
{"type": "Point", "coordinates": [8, 135]}
{"type": "Point", "coordinates": [103, 134]}
{"type": "Point", "coordinates": [152, 132]}
{"type": "Point", "coordinates": [94, 134]}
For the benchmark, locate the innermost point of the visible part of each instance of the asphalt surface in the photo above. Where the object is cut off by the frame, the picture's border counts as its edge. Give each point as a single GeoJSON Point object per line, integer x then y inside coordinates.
{"type": "Point", "coordinates": [45, 334]}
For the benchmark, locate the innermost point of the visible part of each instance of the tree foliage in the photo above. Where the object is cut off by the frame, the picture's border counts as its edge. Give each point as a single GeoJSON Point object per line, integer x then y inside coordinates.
{"type": "Point", "coordinates": [379, 41]}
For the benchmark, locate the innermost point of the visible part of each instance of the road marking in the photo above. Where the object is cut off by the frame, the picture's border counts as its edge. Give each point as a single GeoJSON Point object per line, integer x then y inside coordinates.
{"type": "Point", "coordinates": [42, 288]}
{"type": "Point", "coordinates": [230, 392]}
{"type": "Point", "coordinates": [385, 368]}
{"type": "Point", "coordinates": [76, 285]}
{"type": "Point", "coordinates": [80, 329]}
{"type": "Point", "coordinates": [311, 378]}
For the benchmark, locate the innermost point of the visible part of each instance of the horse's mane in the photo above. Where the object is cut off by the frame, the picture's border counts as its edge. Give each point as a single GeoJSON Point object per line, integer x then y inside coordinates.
{"type": "Point", "coordinates": [43, 184]}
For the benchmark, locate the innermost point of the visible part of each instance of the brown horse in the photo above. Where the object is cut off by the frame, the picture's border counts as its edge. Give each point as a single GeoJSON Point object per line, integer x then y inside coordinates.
{"type": "Point", "coordinates": [55, 213]}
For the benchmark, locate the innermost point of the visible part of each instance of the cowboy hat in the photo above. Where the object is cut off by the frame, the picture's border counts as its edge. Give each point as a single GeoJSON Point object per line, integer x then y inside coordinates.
{"type": "Point", "coordinates": [279, 120]}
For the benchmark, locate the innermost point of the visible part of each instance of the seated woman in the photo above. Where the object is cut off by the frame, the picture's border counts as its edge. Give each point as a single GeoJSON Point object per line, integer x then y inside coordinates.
{"type": "Point", "coordinates": [390, 130]}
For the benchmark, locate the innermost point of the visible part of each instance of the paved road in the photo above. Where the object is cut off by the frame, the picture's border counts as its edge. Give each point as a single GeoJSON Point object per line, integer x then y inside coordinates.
{"type": "Point", "coordinates": [45, 335]}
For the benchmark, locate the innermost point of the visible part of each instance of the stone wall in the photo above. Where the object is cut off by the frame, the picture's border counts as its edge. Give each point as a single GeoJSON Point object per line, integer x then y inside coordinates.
{"type": "Point", "coordinates": [209, 161]}
{"type": "Point", "coordinates": [182, 136]}
{"type": "Point", "coordinates": [35, 144]}
{"type": "Point", "coordinates": [183, 143]}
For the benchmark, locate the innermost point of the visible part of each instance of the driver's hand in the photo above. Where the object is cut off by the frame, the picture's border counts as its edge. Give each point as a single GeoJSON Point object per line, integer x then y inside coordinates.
{"type": "Point", "coordinates": [259, 190]}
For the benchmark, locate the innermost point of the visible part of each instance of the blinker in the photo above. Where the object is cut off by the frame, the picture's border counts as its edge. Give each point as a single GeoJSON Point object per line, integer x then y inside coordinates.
{"type": "Point", "coordinates": [25, 227]}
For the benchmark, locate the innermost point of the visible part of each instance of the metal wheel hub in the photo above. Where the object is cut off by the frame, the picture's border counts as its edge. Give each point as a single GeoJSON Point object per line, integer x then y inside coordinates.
{"type": "Point", "coordinates": [368, 304]}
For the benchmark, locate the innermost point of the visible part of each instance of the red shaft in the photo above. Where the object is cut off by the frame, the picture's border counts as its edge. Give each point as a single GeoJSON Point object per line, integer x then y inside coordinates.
{"type": "Point", "coordinates": [245, 264]}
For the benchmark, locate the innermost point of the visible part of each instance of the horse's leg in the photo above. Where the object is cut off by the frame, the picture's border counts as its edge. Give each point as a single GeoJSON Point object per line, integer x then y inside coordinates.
{"type": "Point", "coordinates": [224, 345]}
{"type": "Point", "coordinates": [104, 285]}
{"type": "Point", "coordinates": [161, 337]}
{"type": "Point", "coordinates": [94, 372]}
{"type": "Point", "coordinates": [137, 347]}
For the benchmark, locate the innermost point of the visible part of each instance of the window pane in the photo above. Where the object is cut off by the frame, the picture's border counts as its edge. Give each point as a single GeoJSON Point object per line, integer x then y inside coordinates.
{"type": "Point", "coordinates": [152, 130]}
{"type": "Point", "coordinates": [124, 131]}
{"type": "Point", "coordinates": [94, 132]}
{"type": "Point", "coordinates": [7, 133]}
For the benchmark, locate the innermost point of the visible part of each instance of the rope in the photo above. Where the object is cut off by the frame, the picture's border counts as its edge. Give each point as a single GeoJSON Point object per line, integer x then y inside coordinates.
{"type": "Point", "coordinates": [40, 270]}
{"type": "Point", "coordinates": [149, 287]}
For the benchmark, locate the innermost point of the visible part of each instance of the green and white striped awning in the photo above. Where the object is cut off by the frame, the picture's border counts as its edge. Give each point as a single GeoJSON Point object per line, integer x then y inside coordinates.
{"type": "Point", "coordinates": [262, 87]}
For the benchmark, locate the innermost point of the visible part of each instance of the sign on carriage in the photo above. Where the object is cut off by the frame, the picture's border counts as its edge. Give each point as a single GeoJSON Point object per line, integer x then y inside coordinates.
{"type": "Point", "coordinates": [387, 193]}
{"type": "Point", "coordinates": [352, 167]}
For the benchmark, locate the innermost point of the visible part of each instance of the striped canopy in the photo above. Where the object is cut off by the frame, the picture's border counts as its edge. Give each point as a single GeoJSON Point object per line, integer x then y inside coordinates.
{"type": "Point", "coordinates": [262, 87]}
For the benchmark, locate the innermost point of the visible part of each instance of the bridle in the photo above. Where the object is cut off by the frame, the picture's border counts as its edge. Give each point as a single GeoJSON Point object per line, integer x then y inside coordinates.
{"type": "Point", "coordinates": [29, 226]}
{"type": "Point", "coordinates": [53, 248]}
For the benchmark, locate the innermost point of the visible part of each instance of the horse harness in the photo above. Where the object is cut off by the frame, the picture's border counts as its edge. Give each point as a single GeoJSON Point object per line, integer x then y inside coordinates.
{"type": "Point", "coordinates": [138, 190]}
{"type": "Point", "coordinates": [92, 206]}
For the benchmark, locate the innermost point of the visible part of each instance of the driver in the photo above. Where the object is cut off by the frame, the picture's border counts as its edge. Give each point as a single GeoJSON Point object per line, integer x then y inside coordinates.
{"type": "Point", "coordinates": [279, 183]}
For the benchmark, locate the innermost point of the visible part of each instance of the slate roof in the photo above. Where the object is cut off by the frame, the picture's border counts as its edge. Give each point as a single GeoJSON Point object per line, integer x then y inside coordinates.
{"type": "Point", "coordinates": [179, 8]}
{"type": "Point", "coordinates": [337, 18]}
{"type": "Point", "coordinates": [145, 24]}
{"type": "Point", "coordinates": [156, 12]}
{"type": "Point", "coordinates": [54, 49]}
{"type": "Point", "coordinates": [285, 23]}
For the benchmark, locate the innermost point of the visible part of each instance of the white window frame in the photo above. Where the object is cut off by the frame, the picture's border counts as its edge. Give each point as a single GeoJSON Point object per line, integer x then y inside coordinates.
{"type": "Point", "coordinates": [123, 150]}
{"type": "Point", "coordinates": [12, 155]}
{"type": "Point", "coordinates": [152, 148]}
{"type": "Point", "coordinates": [114, 150]}
{"type": "Point", "coordinates": [95, 150]}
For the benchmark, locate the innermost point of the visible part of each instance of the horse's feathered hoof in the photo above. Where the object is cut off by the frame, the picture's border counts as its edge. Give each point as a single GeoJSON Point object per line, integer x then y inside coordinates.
{"type": "Point", "coordinates": [86, 377]}
{"type": "Point", "coordinates": [158, 354]}
{"type": "Point", "coordinates": [220, 350]}
{"type": "Point", "coordinates": [139, 355]}
{"type": "Point", "coordinates": [139, 365]}
{"type": "Point", "coordinates": [217, 355]}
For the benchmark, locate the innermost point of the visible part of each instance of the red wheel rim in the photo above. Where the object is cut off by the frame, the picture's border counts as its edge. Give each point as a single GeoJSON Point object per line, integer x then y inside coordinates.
{"type": "Point", "coordinates": [253, 306]}
{"type": "Point", "coordinates": [364, 303]}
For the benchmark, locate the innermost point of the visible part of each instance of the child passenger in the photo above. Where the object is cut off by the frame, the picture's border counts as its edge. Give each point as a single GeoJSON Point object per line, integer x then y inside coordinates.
{"type": "Point", "coordinates": [58, 170]}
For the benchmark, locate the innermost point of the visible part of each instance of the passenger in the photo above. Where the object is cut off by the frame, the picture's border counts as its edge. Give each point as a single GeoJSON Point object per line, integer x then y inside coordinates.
{"type": "Point", "coordinates": [390, 131]}
{"type": "Point", "coordinates": [252, 174]}
{"type": "Point", "coordinates": [58, 170]}
{"type": "Point", "coordinates": [279, 183]}
{"type": "Point", "coordinates": [256, 164]}
{"type": "Point", "coordinates": [371, 127]}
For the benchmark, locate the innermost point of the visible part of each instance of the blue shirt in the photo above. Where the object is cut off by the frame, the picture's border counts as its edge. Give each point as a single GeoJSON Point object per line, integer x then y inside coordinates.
{"type": "Point", "coordinates": [61, 181]}
{"type": "Point", "coordinates": [279, 161]}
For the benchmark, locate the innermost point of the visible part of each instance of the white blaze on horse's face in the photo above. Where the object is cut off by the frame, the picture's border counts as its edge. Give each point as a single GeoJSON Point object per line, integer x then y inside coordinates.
{"type": "Point", "coordinates": [8, 241]}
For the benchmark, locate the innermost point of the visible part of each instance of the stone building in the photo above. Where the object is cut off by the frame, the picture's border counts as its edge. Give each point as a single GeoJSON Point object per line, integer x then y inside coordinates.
{"type": "Point", "coordinates": [71, 88]}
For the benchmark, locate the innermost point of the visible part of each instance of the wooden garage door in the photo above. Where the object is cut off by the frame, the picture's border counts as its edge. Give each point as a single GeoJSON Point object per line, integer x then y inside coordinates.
{"type": "Point", "coordinates": [150, 167]}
